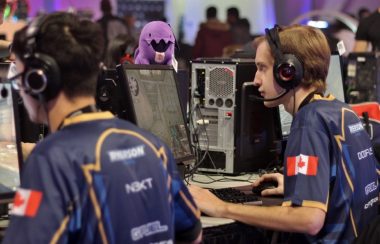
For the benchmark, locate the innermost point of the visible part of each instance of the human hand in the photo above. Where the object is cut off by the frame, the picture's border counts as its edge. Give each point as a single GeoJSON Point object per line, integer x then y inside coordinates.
{"type": "Point", "coordinates": [276, 177]}
{"type": "Point", "coordinates": [207, 202]}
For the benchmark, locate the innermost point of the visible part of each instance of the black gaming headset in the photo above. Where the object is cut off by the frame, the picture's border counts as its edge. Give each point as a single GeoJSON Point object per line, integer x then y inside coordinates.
{"type": "Point", "coordinates": [287, 69]}
{"type": "Point", "coordinates": [41, 77]}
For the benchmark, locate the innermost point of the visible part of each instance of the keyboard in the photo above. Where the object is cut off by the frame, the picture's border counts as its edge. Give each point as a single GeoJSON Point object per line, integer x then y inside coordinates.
{"type": "Point", "coordinates": [234, 195]}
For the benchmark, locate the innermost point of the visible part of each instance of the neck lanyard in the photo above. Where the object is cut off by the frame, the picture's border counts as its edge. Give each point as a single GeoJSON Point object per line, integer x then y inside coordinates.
{"type": "Point", "coordinates": [87, 109]}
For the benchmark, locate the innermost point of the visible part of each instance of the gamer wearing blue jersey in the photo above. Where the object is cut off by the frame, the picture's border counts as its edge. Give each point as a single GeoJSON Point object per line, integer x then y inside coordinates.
{"type": "Point", "coordinates": [96, 178]}
{"type": "Point", "coordinates": [330, 165]}
{"type": "Point", "coordinates": [330, 183]}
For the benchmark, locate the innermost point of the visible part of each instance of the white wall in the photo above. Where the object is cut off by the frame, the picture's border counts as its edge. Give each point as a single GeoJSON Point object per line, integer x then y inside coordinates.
{"type": "Point", "coordinates": [64, 5]}
{"type": "Point", "coordinates": [260, 13]}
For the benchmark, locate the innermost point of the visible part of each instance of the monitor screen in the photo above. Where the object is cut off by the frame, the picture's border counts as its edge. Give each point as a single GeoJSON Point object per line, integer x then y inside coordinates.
{"type": "Point", "coordinates": [154, 105]}
{"type": "Point", "coordinates": [334, 82]}
{"type": "Point", "coordinates": [10, 145]}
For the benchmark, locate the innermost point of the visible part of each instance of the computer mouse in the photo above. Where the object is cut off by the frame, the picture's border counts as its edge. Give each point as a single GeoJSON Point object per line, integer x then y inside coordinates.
{"type": "Point", "coordinates": [263, 186]}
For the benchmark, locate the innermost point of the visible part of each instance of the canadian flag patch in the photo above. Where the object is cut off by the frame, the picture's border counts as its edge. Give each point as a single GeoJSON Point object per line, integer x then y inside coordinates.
{"type": "Point", "coordinates": [302, 164]}
{"type": "Point", "coordinates": [26, 202]}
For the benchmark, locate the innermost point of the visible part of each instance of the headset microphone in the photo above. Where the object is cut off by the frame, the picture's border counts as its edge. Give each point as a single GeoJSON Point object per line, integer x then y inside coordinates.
{"type": "Point", "coordinates": [261, 99]}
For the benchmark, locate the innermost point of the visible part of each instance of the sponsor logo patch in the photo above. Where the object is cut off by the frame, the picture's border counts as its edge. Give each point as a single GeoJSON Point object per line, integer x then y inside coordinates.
{"type": "Point", "coordinates": [354, 128]}
{"type": "Point", "coordinates": [370, 187]}
{"type": "Point", "coordinates": [137, 186]}
{"type": "Point", "coordinates": [365, 153]}
{"type": "Point", "coordinates": [26, 202]}
{"type": "Point", "coordinates": [148, 229]}
{"type": "Point", "coordinates": [125, 154]}
{"type": "Point", "coordinates": [302, 164]}
{"type": "Point", "coordinates": [371, 202]}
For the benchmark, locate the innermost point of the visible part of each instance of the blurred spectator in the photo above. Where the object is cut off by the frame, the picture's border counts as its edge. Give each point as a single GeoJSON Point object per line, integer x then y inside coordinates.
{"type": "Point", "coordinates": [241, 32]}
{"type": "Point", "coordinates": [130, 20]}
{"type": "Point", "coordinates": [212, 37]}
{"type": "Point", "coordinates": [111, 25]}
{"type": "Point", "coordinates": [240, 27]}
{"type": "Point", "coordinates": [341, 32]}
{"type": "Point", "coordinates": [120, 50]}
{"type": "Point", "coordinates": [367, 33]}
{"type": "Point", "coordinates": [233, 16]}
{"type": "Point", "coordinates": [363, 12]}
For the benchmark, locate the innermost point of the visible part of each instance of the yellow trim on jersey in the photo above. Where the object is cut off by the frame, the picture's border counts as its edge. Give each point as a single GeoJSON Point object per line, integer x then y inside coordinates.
{"type": "Point", "coordinates": [353, 223]}
{"type": "Point", "coordinates": [87, 117]}
{"type": "Point", "coordinates": [60, 230]}
{"type": "Point", "coordinates": [306, 203]}
{"type": "Point", "coordinates": [378, 171]}
{"type": "Point", "coordinates": [160, 153]}
{"type": "Point", "coordinates": [339, 139]}
{"type": "Point", "coordinates": [329, 97]}
{"type": "Point", "coordinates": [195, 210]}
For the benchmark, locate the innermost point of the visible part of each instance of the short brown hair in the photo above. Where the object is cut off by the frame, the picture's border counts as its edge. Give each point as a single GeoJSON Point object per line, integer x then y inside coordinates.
{"type": "Point", "coordinates": [76, 45]}
{"type": "Point", "coordinates": [310, 46]}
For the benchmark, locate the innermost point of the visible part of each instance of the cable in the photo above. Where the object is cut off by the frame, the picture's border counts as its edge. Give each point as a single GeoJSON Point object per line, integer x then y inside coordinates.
{"type": "Point", "coordinates": [206, 152]}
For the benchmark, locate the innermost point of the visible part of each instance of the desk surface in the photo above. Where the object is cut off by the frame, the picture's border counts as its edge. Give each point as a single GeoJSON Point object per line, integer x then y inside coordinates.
{"type": "Point", "coordinates": [242, 182]}
{"type": "Point", "coordinates": [222, 181]}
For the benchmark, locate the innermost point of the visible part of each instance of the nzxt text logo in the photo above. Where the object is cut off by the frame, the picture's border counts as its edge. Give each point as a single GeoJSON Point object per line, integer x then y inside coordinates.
{"type": "Point", "coordinates": [138, 186]}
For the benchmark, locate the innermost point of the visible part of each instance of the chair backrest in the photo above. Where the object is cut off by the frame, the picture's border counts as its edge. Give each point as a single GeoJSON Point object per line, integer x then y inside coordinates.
{"type": "Point", "coordinates": [371, 233]}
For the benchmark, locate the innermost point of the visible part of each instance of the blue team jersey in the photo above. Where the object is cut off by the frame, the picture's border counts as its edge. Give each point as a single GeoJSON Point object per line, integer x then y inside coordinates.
{"type": "Point", "coordinates": [101, 180]}
{"type": "Point", "coordinates": [330, 164]}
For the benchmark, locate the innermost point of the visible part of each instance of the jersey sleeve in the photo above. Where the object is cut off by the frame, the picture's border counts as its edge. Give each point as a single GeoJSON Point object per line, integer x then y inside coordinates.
{"type": "Point", "coordinates": [187, 215]}
{"type": "Point", "coordinates": [307, 169]}
{"type": "Point", "coordinates": [40, 205]}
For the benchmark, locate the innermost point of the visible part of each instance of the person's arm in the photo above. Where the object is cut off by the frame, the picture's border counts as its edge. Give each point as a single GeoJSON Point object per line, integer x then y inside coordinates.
{"type": "Point", "coordinates": [187, 224]}
{"type": "Point", "coordinates": [361, 46]}
{"type": "Point", "coordinates": [289, 219]}
{"type": "Point", "coordinates": [39, 214]}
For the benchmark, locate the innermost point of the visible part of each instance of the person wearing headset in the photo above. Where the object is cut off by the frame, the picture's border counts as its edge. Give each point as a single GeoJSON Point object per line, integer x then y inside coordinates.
{"type": "Point", "coordinates": [95, 178]}
{"type": "Point", "coordinates": [367, 34]}
{"type": "Point", "coordinates": [329, 183]}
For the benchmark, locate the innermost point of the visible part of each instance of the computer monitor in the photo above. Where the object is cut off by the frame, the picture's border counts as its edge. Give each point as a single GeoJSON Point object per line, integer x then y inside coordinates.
{"type": "Point", "coordinates": [153, 104]}
{"type": "Point", "coordinates": [334, 82]}
{"type": "Point", "coordinates": [10, 147]}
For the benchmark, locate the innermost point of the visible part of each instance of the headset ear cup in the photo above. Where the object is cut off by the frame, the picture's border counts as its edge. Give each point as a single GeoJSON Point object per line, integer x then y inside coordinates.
{"type": "Point", "coordinates": [288, 71]}
{"type": "Point", "coordinates": [42, 76]}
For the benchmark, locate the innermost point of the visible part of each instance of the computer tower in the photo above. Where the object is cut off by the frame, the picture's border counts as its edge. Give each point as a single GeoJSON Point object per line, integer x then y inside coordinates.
{"type": "Point", "coordinates": [363, 77]}
{"type": "Point", "coordinates": [232, 132]}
